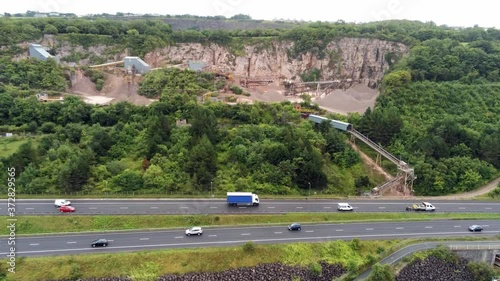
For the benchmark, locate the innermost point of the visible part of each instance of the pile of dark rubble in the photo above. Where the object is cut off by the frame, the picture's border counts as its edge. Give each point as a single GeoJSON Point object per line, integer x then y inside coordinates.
{"type": "Point", "coordinates": [262, 272]}
{"type": "Point", "coordinates": [435, 269]}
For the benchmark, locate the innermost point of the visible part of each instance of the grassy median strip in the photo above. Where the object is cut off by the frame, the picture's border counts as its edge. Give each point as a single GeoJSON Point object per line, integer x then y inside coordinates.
{"type": "Point", "coordinates": [72, 223]}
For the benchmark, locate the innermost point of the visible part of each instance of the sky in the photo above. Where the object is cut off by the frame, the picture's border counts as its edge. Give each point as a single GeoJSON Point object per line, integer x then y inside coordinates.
{"type": "Point", "coordinates": [442, 12]}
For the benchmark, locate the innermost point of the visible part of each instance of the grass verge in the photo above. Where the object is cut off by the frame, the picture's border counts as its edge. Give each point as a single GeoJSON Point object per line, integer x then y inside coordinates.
{"type": "Point", "coordinates": [70, 223]}
{"type": "Point", "coordinates": [355, 255]}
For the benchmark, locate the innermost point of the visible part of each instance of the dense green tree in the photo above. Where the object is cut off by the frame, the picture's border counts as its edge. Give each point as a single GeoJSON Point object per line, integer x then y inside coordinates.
{"type": "Point", "coordinates": [26, 154]}
{"type": "Point", "coordinates": [202, 163]}
{"type": "Point", "coordinates": [101, 141]}
{"type": "Point", "coordinates": [157, 133]}
{"type": "Point", "coordinates": [75, 173]}
{"type": "Point", "coordinates": [128, 181]}
{"type": "Point", "coordinates": [203, 123]}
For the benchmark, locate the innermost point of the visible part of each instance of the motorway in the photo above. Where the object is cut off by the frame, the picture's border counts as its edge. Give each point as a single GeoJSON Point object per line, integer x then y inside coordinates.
{"type": "Point", "coordinates": [230, 236]}
{"type": "Point", "coordinates": [219, 206]}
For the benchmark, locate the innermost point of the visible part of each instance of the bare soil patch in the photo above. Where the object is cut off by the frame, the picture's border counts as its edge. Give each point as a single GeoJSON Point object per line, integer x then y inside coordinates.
{"type": "Point", "coordinates": [116, 89]}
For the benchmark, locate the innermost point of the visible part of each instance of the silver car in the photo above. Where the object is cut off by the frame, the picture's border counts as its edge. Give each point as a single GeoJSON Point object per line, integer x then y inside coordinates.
{"type": "Point", "coordinates": [194, 231]}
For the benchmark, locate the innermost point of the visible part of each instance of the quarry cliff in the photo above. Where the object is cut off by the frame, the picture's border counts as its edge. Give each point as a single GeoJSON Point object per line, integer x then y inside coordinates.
{"type": "Point", "coordinates": [359, 59]}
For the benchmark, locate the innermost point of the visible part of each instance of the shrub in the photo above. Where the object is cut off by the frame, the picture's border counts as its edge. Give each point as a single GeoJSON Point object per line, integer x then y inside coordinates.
{"type": "Point", "coordinates": [249, 247]}
{"type": "Point", "coordinates": [355, 244]}
{"type": "Point", "coordinates": [381, 273]}
{"type": "Point", "coordinates": [481, 271]}
{"type": "Point", "coordinates": [315, 268]}
{"type": "Point", "coordinates": [444, 254]}
{"type": "Point", "coordinates": [236, 90]}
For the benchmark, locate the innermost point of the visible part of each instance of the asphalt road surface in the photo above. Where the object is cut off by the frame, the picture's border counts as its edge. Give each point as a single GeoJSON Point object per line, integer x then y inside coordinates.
{"type": "Point", "coordinates": [149, 240]}
{"type": "Point", "coordinates": [219, 206]}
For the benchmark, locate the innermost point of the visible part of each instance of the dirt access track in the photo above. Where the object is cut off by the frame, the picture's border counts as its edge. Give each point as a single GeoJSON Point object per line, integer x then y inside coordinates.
{"type": "Point", "coordinates": [116, 89]}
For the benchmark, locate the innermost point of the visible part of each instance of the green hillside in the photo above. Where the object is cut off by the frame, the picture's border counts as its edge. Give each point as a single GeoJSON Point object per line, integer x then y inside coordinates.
{"type": "Point", "coordinates": [438, 110]}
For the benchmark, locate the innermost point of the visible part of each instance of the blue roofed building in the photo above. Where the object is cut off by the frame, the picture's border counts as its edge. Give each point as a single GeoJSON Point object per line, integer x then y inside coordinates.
{"type": "Point", "coordinates": [136, 63]}
{"type": "Point", "coordinates": [39, 52]}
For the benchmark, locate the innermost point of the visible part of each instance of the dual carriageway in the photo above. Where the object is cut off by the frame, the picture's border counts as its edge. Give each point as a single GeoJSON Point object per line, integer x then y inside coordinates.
{"type": "Point", "coordinates": [77, 243]}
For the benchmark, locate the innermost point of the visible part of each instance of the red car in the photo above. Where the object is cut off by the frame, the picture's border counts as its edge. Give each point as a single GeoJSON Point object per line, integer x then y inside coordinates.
{"type": "Point", "coordinates": [67, 209]}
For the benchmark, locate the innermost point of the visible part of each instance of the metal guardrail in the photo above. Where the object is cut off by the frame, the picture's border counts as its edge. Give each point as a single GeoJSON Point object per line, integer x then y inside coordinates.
{"type": "Point", "coordinates": [474, 247]}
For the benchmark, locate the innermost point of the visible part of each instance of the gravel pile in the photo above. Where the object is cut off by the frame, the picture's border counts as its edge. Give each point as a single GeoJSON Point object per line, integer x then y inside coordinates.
{"type": "Point", "coordinates": [263, 272]}
{"type": "Point", "coordinates": [436, 270]}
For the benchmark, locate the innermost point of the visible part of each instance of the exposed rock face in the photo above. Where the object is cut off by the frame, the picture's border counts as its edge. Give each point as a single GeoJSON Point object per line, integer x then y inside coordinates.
{"type": "Point", "coordinates": [362, 60]}
{"type": "Point", "coordinates": [347, 58]}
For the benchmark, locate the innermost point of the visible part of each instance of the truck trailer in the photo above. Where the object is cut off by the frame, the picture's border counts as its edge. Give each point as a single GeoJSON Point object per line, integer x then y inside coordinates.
{"type": "Point", "coordinates": [242, 199]}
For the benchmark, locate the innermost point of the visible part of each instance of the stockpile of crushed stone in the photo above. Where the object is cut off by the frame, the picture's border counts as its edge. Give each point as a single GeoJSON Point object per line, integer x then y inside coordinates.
{"type": "Point", "coordinates": [262, 272]}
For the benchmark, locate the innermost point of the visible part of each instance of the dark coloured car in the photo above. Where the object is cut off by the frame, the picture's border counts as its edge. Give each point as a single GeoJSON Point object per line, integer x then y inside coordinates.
{"type": "Point", "coordinates": [99, 243]}
{"type": "Point", "coordinates": [475, 228]}
{"type": "Point", "coordinates": [294, 226]}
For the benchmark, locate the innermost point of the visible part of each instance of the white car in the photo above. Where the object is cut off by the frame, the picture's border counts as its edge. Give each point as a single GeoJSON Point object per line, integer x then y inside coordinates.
{"type": "Point", "coordinates": [62, 202]}
{"type": "Point", "coordinates": [344, 207]}
{"type": "Point", "coordinates": [194, 231]}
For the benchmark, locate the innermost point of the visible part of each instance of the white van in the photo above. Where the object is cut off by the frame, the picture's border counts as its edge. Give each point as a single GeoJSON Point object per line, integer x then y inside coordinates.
{"type": "Point", "coordinates": [61, 202]}
{"type": "Point", "coordinates": [344, 207]}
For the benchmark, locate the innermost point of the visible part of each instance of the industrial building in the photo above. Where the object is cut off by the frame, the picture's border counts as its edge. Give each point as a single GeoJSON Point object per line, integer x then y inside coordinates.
{"type": "Point", "coordinates": [39, 52]}
{"type": "Point", "coordinates": [136, 64]}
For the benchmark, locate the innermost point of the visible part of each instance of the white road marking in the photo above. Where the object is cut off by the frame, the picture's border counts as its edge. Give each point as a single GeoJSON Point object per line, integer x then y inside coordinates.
{"type": "Point", "coordinates": [214, 207]}
{"type": "Point", "coordinates": [123, 208]}
{"type": "Point", "coordinates": [381, 207]}
{"type": "Point", "coordinates": [71, 242]}
{"type": "Point", "coordinates": [242, 207]}
{"type": "Point", "coordinates": [241, 241]}
{"type": "Point", "coordinates": [400, 228]}
{"type": "Point", "coordinates": [111, 240]}
{"type": "Point", "coordinates": [184, 207]}
{"type": "Point", "coordinates": [339, 230]}
{"type": "Point", "coordinates": [299, 207]}
{"type": "Point", "coordinates": [278, 232]}
{"type": "Point", "coordinates": [309, 230]}
{"type": "Point", "coordinates": [30, 208]}
{"type": "Point", "coordinates": [92, 208]}
{"type": "Point", "coordinates": [245, 234]}
{"type": "Point", "coordinates": [178, 237]}
{"type": "Point", "coordinates": [270, 207]}
{"type": "Point", "coordinates": [462, 208]}
{"type": "Point", "coordinates": [154, 207]}
{"type": "Point", "coordinates": [212, 235]}
{"type": "Point", "coordinates": [457, 226]}
{"type": "Point", "coordinates": [327, 207]}
{"type": "Point", "coordinates": [428, 227]}
{"type": "Point", "coordinates": [369, 229]}
{"type": "Point", "coordinates": [36, 244]}
{"type": "Point", "coordinates": [486, 225]}
{"type": "Point", "coordinates": [144, 239]}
